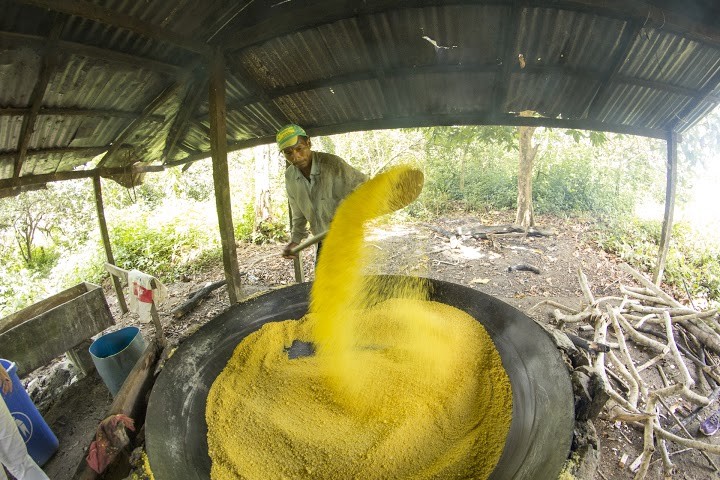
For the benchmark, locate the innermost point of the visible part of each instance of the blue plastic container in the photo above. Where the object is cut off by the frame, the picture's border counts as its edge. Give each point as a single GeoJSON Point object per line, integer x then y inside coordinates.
{"type": "Point", "coordinates": [40, 441]}
{"type": "Point", "coordinates": [115, 354]}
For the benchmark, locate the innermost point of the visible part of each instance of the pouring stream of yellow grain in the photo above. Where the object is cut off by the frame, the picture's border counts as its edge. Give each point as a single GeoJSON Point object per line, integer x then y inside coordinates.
{"type": "Point", "coordinates": [399, 386]}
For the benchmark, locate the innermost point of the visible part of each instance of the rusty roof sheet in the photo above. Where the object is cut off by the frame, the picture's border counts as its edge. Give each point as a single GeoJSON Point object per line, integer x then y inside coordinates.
{"type": "Point", "coordinates": [128, 80]}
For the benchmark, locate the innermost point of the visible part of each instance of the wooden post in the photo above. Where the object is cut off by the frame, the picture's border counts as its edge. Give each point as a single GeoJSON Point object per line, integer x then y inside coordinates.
{"type": "Point", "coordinates": [106, 242]}
{"type": "Point", "coordinates": [297, 261]}
{"type": "Point", "coordinates": [218, 148]}
{"type": "Point", "coordinates": [671, 185]}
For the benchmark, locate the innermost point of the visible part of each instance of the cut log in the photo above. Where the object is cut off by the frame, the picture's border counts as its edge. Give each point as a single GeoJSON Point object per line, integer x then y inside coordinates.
{"type": "Point", "coordinates": [195, 298]}
{"type": "Point", "coordinates": [130, 400]}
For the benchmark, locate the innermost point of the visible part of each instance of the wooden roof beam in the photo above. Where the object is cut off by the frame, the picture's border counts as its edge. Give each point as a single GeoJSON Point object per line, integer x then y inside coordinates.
{"type": "Point", "coordinates": [113, 18]}
{"type": "Point", "coordinates": [480, 118]}
{"type": "Point", "coordinates": [286, 20]}
{"type": "Point", "coordinates": [242, 73]}
{"type": "Point", "coordinates": [49, 63]}
{"type": "Point", "coordinates": [625, 44]}
{"type": "Point", "coordinates": [180, 125]}
{"type": "Point", "coordinates": [78, 112]}
{"type": "Point", "coordinates": [79, 151]}
{"type": "Point", "coordinates": [147, 112]}
{"type": "Point", "coordinates": [705, 95]}
{"type": "Point", "coordinates": [91, 51]}
{"type": "Point", "coordinates": [25, 181]}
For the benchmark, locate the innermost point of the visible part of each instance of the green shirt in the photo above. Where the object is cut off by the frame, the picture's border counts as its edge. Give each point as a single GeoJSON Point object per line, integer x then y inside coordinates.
{"type": "Point", "coordinates": [315, 200]}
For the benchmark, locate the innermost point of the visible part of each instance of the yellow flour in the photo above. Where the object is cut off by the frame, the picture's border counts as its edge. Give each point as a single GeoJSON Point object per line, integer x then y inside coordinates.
{"type": "Point", "coordinates": [398, 387]}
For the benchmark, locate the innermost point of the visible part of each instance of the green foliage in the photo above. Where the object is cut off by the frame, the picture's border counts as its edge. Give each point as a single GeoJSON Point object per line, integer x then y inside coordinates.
{"type": "Point", "coordinates": [163, 244]}
{"type": "Point", "coordinates": [693, 260]}
{"type": "Point", "coordinates": [267, 231]}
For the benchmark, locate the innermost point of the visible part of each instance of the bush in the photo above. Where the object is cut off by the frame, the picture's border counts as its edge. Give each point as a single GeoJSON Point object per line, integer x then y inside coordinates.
{"type": "Point", "coordinates": [166, 242]}
{"type": "Point", "coordinates": [693, 261]}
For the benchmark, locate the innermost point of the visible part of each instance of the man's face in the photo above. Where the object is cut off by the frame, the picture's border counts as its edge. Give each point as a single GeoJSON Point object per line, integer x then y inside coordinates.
{"type": "Point", "coordinates": [299, 154]}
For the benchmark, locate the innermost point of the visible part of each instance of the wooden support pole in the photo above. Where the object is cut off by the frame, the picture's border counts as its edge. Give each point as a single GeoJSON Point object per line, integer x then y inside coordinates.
{"type": "Point", "coordinates": [219, 150]}
{"type": "Point", "coordinates": [106, 242]}
{"type": "Point", "coordinates": [671, 185]}
{"type": "Point", "coordinates": [297, 261]}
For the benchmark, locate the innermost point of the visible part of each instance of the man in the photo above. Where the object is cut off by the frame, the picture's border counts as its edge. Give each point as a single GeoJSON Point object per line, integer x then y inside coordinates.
{"type": "Point", "coordinates": [316, 183]}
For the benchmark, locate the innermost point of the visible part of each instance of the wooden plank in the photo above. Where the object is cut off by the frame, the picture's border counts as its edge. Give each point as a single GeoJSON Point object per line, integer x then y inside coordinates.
{"type": "Point", "coordinates": [218, 148]}
{"type": "Point", "coordinates": [670, 188]}
{"type": "Point", "coordinates": [49, 63]}
{"type": "Point", "coordinates": [114, 18]}
{"type": "Point", "coordinates": [97, 186]}
{"type": "Point", "coordinates": [45, 334]}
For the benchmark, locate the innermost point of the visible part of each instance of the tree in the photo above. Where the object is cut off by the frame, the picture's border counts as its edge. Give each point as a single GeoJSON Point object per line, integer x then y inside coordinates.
{"type": "Point", "coordinates": [58, 212]}
{"type": "Point", "coordinates": [524, 216]}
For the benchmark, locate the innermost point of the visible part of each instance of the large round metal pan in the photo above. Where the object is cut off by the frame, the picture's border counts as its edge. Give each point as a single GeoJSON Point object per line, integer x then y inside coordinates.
{"type": "Point", "coordinates": [543, 414]}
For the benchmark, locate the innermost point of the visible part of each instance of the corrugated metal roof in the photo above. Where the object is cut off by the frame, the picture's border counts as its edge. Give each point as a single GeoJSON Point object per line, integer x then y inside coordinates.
{"type": "Point", "coordinates": [122, 73]}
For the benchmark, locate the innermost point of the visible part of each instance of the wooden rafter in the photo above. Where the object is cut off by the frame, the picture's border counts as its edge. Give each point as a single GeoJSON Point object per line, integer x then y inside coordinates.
{"type": "Point", "coordinates": [196, 93]}
{"type": "Point", "coordinates": [201, 126]}
{"type": "Point", "coordinates": [78, 112]}
{"type": "Point", "coordinates": [704, 95]}
{"type": "Point", "coordinates": [28, 180]}
{"type": "Point", "coordinates": [625, 45]}
{"type": "Point", "coordinates": [225, 18]}
{"type": "Point", "coordinates": [43, 152]}
{"type": "Point", "coordinates": [241, 73]}
{"type": "Point", "coordinates": [147, 112]}
{"type": "Point", "coordinates": [113, 18]}
{"type": "Point", "coordinates": [91, 51]}
{"type": "Point", "coordinates": [49, 63]}
{"type": "Point", "coordinates": [314, 14]}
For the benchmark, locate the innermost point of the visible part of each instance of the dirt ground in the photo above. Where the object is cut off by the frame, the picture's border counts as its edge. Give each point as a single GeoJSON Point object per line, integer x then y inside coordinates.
{"type": "Point", "coordinates": [413, 248]}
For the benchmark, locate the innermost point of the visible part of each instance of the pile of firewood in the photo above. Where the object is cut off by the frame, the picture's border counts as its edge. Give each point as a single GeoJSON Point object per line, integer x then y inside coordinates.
{"type": "Point", "coordinates": [676, 337]}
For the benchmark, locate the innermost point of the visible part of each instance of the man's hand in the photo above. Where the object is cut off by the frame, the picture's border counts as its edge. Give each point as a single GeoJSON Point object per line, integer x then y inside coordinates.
{"type": "Point", "coordinates": [5, 379]}
{"type": "Point", "coordinates": [286, 251]}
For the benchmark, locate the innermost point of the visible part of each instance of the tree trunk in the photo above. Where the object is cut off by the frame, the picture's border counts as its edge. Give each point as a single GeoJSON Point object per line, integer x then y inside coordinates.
{"type": "Point", "coordinates": [262, 187]}
{"type": "Point", "coordinates": [524, 216]}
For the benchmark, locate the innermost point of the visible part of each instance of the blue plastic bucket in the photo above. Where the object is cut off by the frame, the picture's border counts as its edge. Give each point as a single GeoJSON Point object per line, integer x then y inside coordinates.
{"type": "Point", "coordinates": [115, 354]}
{"type": "Point", "coordinates": [40, 441]}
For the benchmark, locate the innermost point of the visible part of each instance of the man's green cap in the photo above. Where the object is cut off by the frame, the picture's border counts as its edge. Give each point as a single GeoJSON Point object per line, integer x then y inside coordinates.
{"type": "Point", "coordinates": [288, 135]}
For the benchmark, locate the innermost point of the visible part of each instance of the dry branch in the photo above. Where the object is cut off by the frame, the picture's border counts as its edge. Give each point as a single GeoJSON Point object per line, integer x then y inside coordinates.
{"type": "Point", "coordinates": [649, 318]}
{"type": "Point", "coordinates": [195, 298]}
